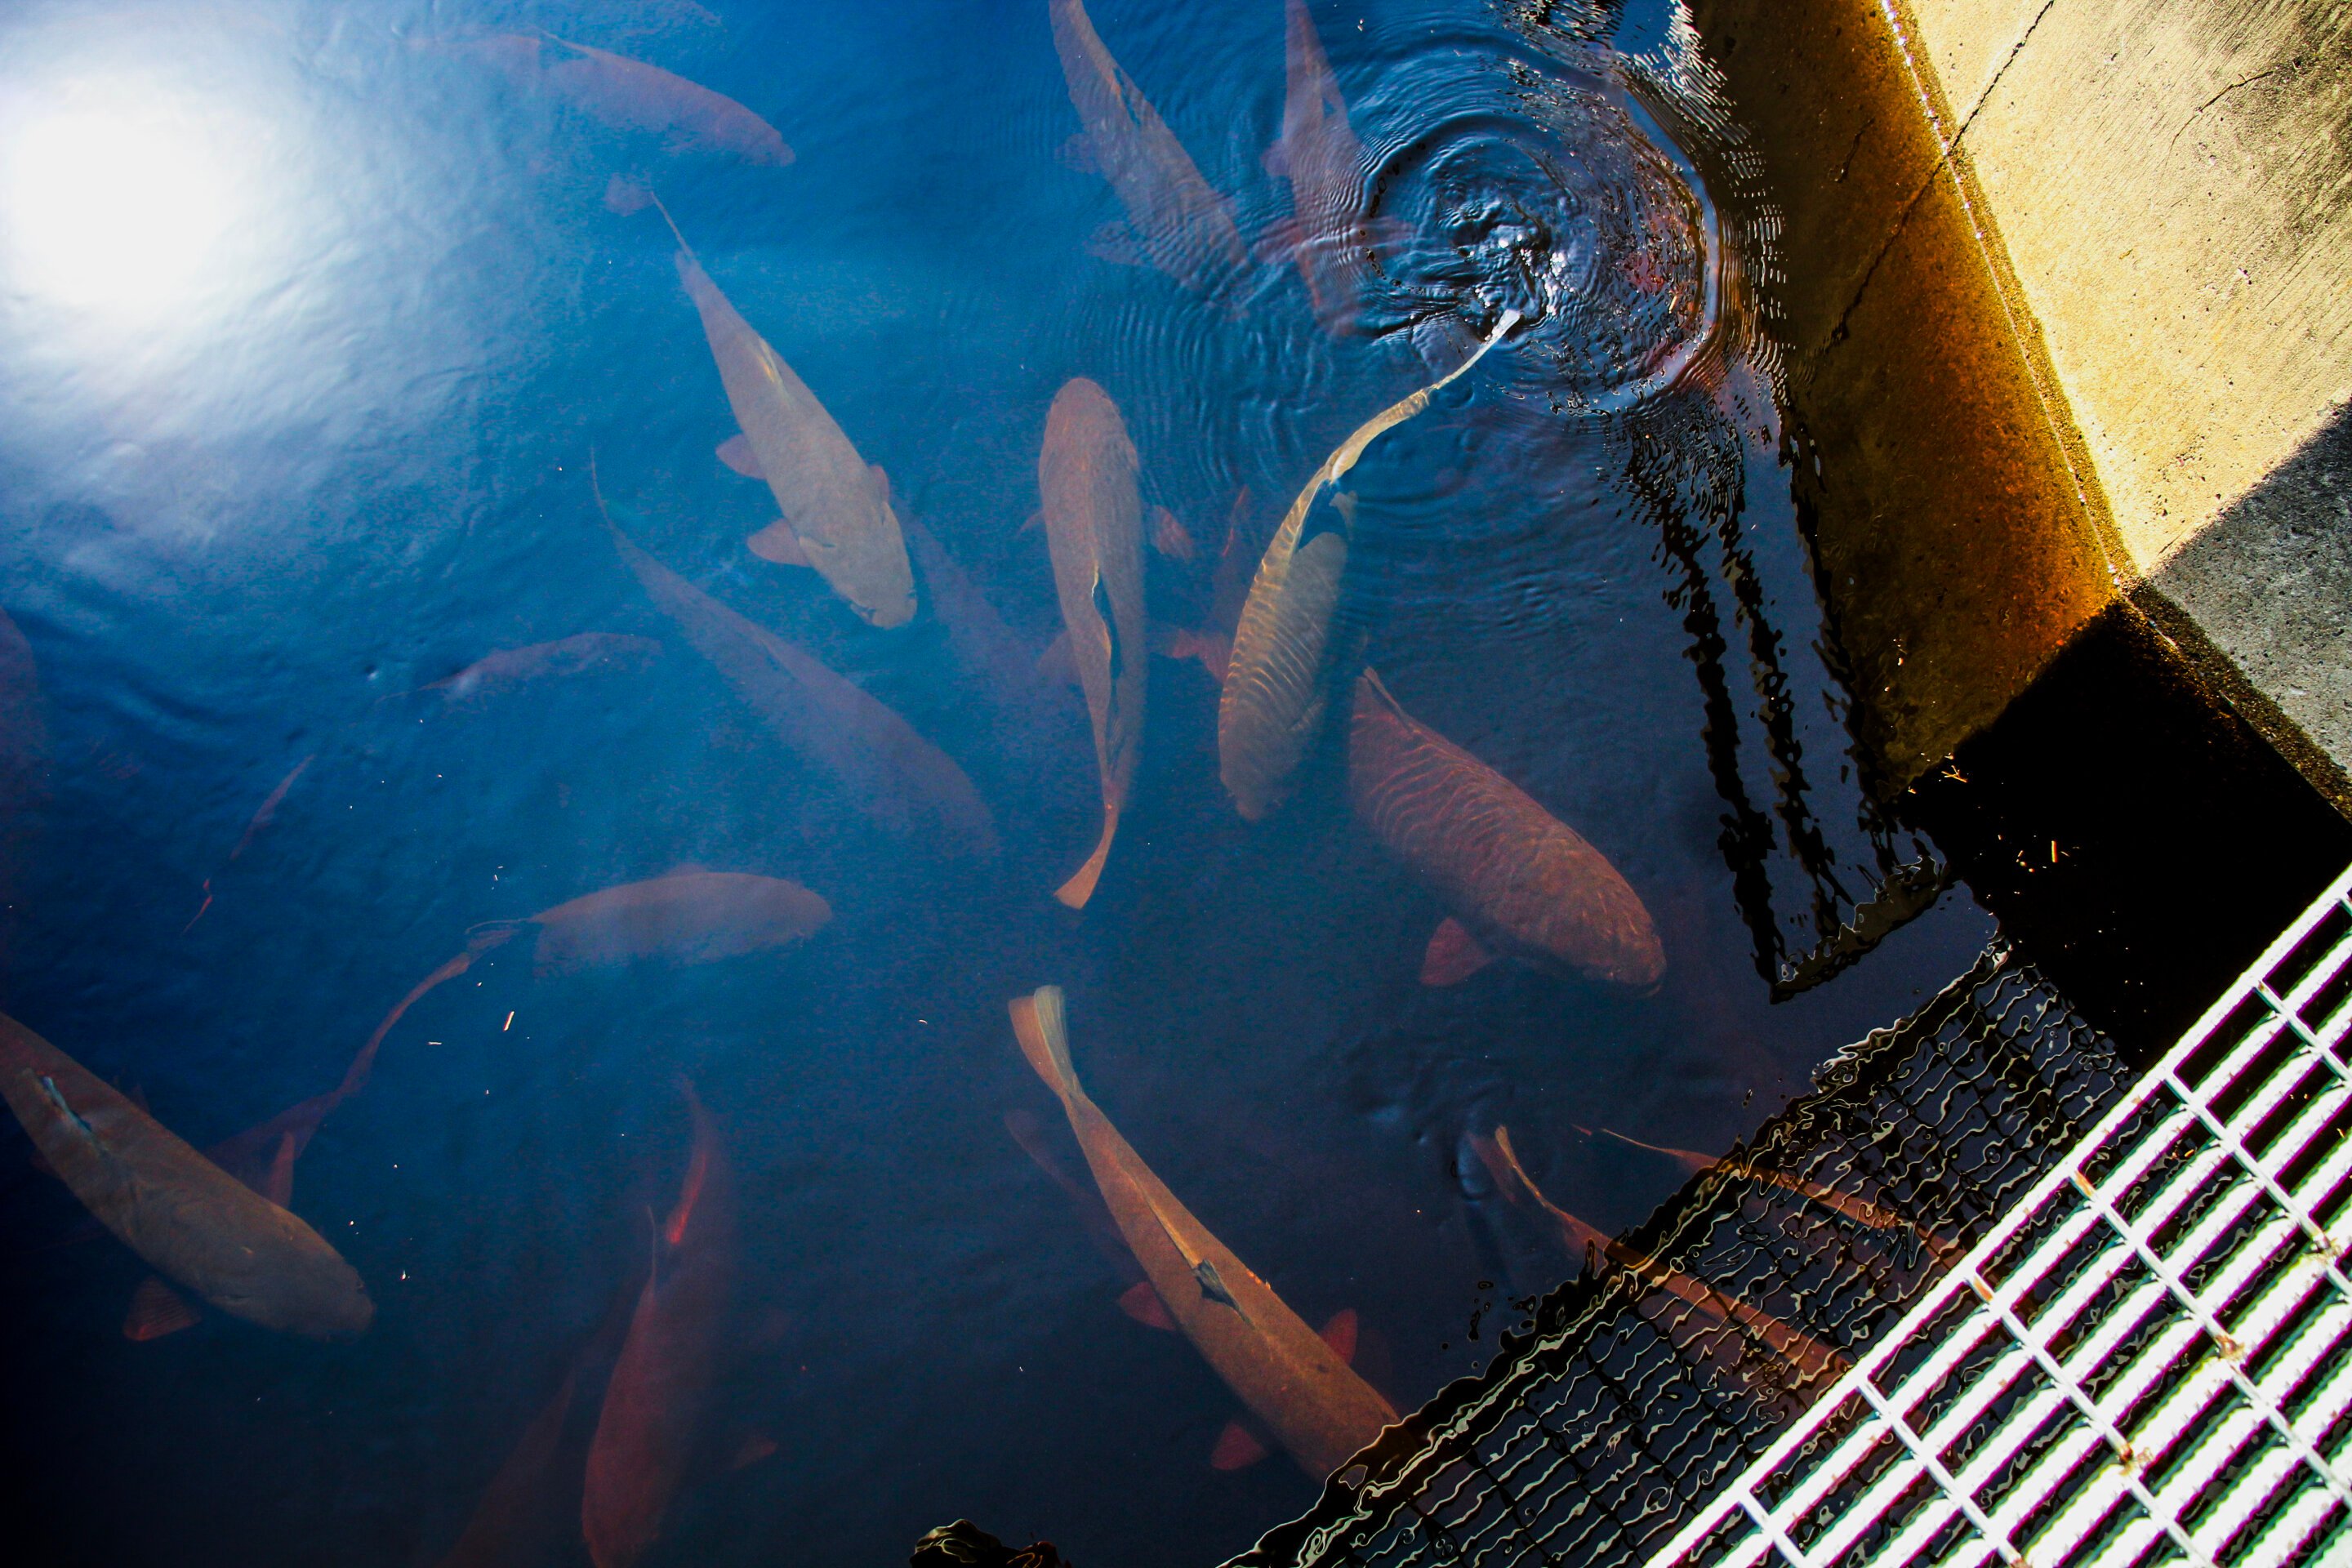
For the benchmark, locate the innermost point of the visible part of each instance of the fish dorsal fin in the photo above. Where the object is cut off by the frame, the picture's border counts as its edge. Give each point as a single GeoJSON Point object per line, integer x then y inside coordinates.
{"type": "Point", "coordinates": [73, 1117]}
{"type": "Point", "coordinates": [1213, 1286]}
{"type": "Point", "coordinates": [1099, 597]}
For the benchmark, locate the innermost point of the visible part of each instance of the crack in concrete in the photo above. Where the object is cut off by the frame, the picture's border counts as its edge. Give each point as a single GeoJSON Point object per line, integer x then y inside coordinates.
{"type": "Point", "coordinates": [2247, 81]}
{"type": "Point", "coordinates": [1837, 333]}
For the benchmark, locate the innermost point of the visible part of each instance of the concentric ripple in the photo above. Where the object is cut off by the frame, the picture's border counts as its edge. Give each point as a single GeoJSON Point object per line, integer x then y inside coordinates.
{"type": "Point", "coordinates": [1501, 179]}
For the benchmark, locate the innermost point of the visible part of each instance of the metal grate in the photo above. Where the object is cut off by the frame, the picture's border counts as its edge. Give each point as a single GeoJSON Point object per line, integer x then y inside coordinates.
{"type": "Point", "coordinates": [1639, 1389]}
{"type": "Point", "coordinates": [2142, 1362]}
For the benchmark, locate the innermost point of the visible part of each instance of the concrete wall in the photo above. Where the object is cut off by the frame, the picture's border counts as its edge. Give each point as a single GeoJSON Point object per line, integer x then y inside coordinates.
{"type": "Point", "coordinates": [2168, 184]}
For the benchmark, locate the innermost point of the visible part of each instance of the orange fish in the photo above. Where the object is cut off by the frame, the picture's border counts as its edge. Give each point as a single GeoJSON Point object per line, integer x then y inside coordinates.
{"type": "Point", "coordinates": [1175, 220]}
{"type": "Point", "coordinates": [189, 1219]}
{"type": "Point", "coordinates": [1519, 877]}
{"type": "Point", "coordinates": [838, 516]}
{"type": "Point", "coordinates": [1286, 1375]}
{"type": "Point", "coordinates": [1813, 1359]}
{"type": "Point", "coordinates": [1321, 161]}
{"type": "Point", "coordinates": [889, 771]}
{"type": "Point", "coordinates": [630, 95]}
{"type": "Point", "coordinates": [1094, 529]}
{"type": "Point", "coordinates": [650, 1425]}
{"type": "Point", "coordinates": [1278, 680]}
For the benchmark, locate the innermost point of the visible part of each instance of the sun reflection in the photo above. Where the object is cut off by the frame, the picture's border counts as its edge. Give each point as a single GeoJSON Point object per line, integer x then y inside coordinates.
{"type": "Point", "coordinates": [115, 199]}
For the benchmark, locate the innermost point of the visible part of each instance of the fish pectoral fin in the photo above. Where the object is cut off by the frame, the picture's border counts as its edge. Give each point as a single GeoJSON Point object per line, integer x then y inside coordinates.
{"type": "Point", "coordinates": [1237, 1448]}
{"type": "Point", "coordinates": [1452, 956]}
{"type": "Point", "coordinates": [1116, 243]}
{"type": "Point", "coordinates": [736, 454]}
{"type": "Point", "coordinates": [1141, 1301]}
{"type": "Point", "coordinates": [156, 1310]}
{"type": "Point", "coordinates": [777, 543]}
{"type": "Point", "coordinates": [1077, 154]}
{"type": "Point", "coordinates": [1339, 1333]}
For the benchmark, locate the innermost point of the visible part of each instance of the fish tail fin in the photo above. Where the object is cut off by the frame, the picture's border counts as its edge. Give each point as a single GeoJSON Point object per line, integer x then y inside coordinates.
{"type": "Point", "coordinates": [1041, 1022]}
{"type": "Point", "coordinates": [1081, 885]}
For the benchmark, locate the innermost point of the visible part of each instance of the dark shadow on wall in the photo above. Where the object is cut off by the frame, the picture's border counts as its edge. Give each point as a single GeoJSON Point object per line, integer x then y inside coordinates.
{"type": "Point", "coordinates": [2262, 600]}
{"type": "Point", "coordinates": [2132, 830]}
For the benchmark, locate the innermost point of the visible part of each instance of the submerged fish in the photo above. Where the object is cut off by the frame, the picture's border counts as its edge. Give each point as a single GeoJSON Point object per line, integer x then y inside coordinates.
{"type": "Point", "coordinates": [263, 815]}
{"type": "Point", "coordinates": [684, 917]}
{"type": "Point", "coordinates": [630, 95]}
{"type": "Point", "coordinates": [1175, 220]}
{"type": "Point", "coordinates": [505, 669]}
{"type": "Point", "coordinates": [188, 1218]}
{"type": "Point", "coordinates": [1277, 678]}
{"type": "Point", "coordinates": [889, 771]}
{"type": "Point", "coordinates": [1860, 1210]}
{"type": "Point", "coordinates": [1813, 1359]}
{"type": "Point", "coordinates": [836, 509]}
{"type": "Point", "coordinates": [1286, 1375]}
{"type": "Point", "coordinates": [1321, 161]}
{"type": "Point", "coordinates": [1522, 880]}
{"type": "Point", "coordinates": [510, 1524]}
{"type": "Point", "coordinates": [1094, 529]}
{"type": "Point", "coordinates": [661, 1391]}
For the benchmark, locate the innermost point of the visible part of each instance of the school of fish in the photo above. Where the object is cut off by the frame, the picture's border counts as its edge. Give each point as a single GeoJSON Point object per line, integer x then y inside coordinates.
{"type": "Point", "coordinates": [217, 1227]}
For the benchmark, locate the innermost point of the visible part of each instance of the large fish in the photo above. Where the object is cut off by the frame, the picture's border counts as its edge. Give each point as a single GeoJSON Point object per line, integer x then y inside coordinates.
{"type": "Point", "coordinates": [651, 1422]}
{"type": "Point", "coordinates": [890, 771]}
{"type": "Point", "coordinates": [1175, 220]}
{"type": "Point", "coordinates": [1320, 159]}
{"type": "Point", "coordinates": [1278, 678]}
{"type": "Point", "coordinates": [1094, 529]}
{"type": "Point", "coordinates": [1282, 1370]}
{"type": "Point", "coordinates": [836, 509]}
{"type": "Point", "coordinates": [185, 1215]}
{"type": "Point", "coordinates": [684, 917]}
{"type": "Point", "coordinates": [630, 95]}
{"type": "Point", "coordinates": [1523, 881]}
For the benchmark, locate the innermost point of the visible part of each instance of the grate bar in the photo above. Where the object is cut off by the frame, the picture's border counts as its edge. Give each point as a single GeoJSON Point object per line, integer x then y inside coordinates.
{"type": "Point", "coordinates": [2223, 1419]}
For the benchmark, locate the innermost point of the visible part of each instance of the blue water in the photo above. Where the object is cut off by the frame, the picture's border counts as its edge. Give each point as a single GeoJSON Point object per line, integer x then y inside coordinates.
{"type": "Point", "coordinates": [309, 325]}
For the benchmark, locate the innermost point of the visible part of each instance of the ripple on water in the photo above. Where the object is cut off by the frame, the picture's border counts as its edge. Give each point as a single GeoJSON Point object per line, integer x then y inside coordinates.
{"type": "Point", "coordinates": [1500, 178]}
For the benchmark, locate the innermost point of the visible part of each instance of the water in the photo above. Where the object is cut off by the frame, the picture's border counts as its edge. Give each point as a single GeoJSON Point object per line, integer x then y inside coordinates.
{"type": "Point", "coordinates": [314, 321]}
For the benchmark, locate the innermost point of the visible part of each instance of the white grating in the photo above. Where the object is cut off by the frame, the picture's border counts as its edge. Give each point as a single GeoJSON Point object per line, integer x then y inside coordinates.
{"type": "Point", "coordinates": [2144, 1360]}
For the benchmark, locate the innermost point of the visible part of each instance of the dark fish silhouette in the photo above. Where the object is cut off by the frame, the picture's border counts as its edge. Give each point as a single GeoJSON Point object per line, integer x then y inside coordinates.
{"type": "Point", "coordinates": [838, 515]}
{"type": "Point", "coordinates": [1278, 678]}
{"type": "Point", "coordinates": [1175, 220]}
{"type": "Point", "coordinates": [1813, 1359]}
{"type": "Point", "coordinates": [1522, 880]}
{"type": "Point", "coordinates": [1321, 161]}
{"type": "Point", "coordinates": [189, 1219]}
{"type": "Point", "coordinates": [507, 669]}
{"type": "Point", "coordinates": [685, 917]}
{"type": "Point", "coordinates": [651, 1422]}
{"type": "Point", "coordinates": [1094, 529]}
{"type": "Point", "coordinates": [630, 95]}
{"type": "Point", "coordinates": [889, 772]}
{"type": "Point", "coordinates": [509, 1526]}
{"type": "Point", "coordinates": [1287, 1376]}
